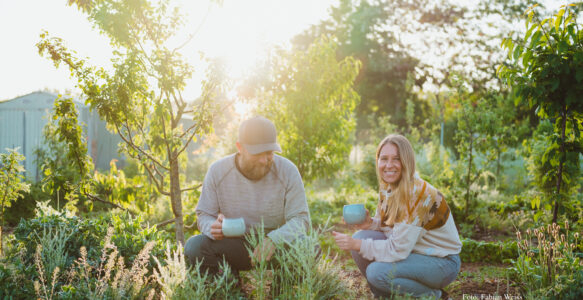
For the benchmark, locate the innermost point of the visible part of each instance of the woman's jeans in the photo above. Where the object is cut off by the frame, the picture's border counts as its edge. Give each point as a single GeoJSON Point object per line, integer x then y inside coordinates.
{"type": "Point", "coordinates": [417, 275]}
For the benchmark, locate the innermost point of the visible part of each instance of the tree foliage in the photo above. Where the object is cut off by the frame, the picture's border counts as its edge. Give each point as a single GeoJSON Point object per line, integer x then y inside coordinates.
{"type": "Point", "coordinates": [141, 99]}
{"type": "Point", "coordinates": [63, 158]}
{"type": "Point", "coordinates": [311, 100]}
{"type": "Point", "coordinates": [547, 73]}
{"type": "Point", "coordinates": [12, 182]}
{"type": "Point", "coordinates": [360, 29]}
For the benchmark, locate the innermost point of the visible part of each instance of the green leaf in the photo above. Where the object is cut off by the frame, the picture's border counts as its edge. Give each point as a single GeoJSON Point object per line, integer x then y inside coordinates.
{"type": "Point", "coordinates": [535, 38]}
{"type": "Point", "coordinates": [559, 19]}
{"type": "Point", "coordinates": [563, 46]}
{"type": "Point", "coordinates": [579, 75]}
{"type": "Point", "coordinates": [556, 83]}
{"type": "Point", "coordinates": [517, 52]}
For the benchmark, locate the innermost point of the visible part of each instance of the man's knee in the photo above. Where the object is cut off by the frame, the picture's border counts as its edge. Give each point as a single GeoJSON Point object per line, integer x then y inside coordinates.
{"type": "Point", "coordinates": [193, 249]}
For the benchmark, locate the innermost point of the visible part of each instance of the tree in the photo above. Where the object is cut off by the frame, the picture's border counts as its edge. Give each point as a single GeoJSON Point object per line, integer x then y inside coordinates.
{"type": "Point", "coordinates": [312, 100]}
{"type": "Point", "coordinates": [547, 73]}
{"type": "Point", "coordinates": [12, 182]}
{"type": "Point", "coordinates": [63, 157]}
{"type": "Point", "coordinates": [360, 29]}
{"type": "Point", "coordinates": [141, 99]}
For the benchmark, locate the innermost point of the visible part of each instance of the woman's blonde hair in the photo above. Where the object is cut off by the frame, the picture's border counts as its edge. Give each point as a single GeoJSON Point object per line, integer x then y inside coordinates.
{"type": "Point", "coordinates": [400, 194]}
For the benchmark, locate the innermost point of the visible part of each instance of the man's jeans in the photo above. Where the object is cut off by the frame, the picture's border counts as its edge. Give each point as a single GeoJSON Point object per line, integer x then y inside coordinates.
{"type": "Point", "coordinates": [211, 253]}
{"type": "Point", "coordinates": [418, 275]}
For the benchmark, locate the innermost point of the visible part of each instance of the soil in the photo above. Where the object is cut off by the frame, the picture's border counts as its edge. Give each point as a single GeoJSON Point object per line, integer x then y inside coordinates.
{"type": "Point", "coordinates": [480, 287]}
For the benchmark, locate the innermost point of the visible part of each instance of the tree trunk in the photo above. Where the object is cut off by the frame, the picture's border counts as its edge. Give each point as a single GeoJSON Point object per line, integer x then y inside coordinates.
{"type": "Point", "coordinates": [498, 154]}
{"type": "Point", "coordinates": [563, 156]}
{"type": "Point", "coordinates": [469, 175]}
{"type": "Point", "coordinates": [176, 197]}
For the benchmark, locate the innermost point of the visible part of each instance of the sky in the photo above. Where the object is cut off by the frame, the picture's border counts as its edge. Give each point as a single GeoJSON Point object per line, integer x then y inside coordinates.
{"type": "Point", "coordinates": [239, 32]}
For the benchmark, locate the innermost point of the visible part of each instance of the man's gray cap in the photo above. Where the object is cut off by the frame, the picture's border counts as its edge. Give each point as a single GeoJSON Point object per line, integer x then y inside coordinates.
{"type": "Point", "coordinates": [258, 135]}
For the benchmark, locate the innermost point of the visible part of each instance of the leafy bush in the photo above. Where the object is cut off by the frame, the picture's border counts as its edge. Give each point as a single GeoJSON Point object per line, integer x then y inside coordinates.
{"type": "Point", "coordinates": [488, 252]}
{"type": "Point", "coordinates": [129, 235]}
{"type": "Point", "coordinates": [57, 241]}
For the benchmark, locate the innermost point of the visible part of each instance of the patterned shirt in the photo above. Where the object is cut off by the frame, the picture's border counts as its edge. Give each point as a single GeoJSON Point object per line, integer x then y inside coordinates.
{"type": "Point", "coordinates": [425, 226]}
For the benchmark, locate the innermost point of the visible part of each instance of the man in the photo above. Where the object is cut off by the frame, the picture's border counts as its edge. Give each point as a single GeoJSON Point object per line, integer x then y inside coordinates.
{"type": "Point", "coordinates": [257, 185]}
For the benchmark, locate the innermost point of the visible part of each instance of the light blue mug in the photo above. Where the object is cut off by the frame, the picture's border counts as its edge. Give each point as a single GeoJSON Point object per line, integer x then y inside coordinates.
{"type": "Point", "coordinates": [354, 214]}
{"type": "Point", "coordinates": [233, 227]}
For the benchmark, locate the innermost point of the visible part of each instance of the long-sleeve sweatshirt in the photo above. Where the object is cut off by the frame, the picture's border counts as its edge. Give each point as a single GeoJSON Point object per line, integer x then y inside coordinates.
{"type": "Point", "coordinates": [278, 199]}
{"type": "Point", "coordinates": [427, 227]}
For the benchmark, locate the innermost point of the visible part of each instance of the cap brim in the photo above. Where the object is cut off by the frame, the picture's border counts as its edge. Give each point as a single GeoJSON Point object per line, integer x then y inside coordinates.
{"type": "Point", "coordinates": [256, 149]}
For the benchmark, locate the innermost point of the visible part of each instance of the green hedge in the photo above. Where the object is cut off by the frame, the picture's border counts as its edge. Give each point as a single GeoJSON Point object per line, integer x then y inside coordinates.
{"type": "Point", "coordinates": [488, 252]}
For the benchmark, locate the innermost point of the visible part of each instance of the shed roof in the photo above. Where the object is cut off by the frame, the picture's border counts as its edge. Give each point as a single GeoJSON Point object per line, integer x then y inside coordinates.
{"type": "Point", "coordinates": [38, 99]}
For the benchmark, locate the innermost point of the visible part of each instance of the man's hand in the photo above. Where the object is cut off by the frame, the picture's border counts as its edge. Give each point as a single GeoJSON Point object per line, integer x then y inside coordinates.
{"type": "Point", "coordinates": [365, 225]}
{"type": "Point", "coordinates": [346, 242]}
{"type": "Point", "coordinates": [264, 250]}
{"type": "Point", "coordinates": [217, 228]}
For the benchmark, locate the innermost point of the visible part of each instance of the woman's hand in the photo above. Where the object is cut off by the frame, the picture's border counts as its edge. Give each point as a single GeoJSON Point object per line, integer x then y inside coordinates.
{"type": "Point", "coordinates": [365, 225]}
{"type": "Point", "coordinates": [346, 242]}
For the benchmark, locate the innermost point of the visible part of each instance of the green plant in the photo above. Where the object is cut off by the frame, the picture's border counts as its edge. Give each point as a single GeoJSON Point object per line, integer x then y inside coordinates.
{"type": "Point", "coordinates": [492, 252]}
{"type": "Point", "coordinates": [179, 282]}
{"type": "Point", "coordinates": [106, 278]}
{"type": "Point", "coordinates": [129, 234]}
{"type": "Point", "coordinates": [141, 99]}
{"type": "Point", "coordinates": [301, 270]}
{"type": "Point", "coordinates": [311, 100]}
{"type": "Point", "coordinates": [543, 169]}
{"type": "Point", "coordinates": [11, 182]}
{"type": "Point", "coordinates": [547, 72]}
{"type": "Point", "coordinates": [135, 193]}
{"type": "Point", "coordinates": [549, 268]}
{"type": "Point", "coordinates": [62, 175]}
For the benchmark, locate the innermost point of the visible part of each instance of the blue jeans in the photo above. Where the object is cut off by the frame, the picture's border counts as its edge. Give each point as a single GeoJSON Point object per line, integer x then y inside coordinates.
{"type": "Point", "coordinates": [418, 275]}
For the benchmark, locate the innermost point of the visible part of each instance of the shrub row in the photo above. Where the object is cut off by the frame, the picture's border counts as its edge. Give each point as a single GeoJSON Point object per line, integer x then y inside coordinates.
{"type": "Point", "coordinates": [488, 252]}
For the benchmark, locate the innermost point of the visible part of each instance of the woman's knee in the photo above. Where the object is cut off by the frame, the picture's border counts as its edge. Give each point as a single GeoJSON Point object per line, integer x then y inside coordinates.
{"type": "Point", "coordinates": [451, 271]}
{"type": "Point", "coordinates": [380, 275]}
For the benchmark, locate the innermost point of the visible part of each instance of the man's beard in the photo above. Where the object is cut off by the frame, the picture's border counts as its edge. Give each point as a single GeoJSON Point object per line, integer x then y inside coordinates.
{"type": "Point", "coordinates": [255, 171]}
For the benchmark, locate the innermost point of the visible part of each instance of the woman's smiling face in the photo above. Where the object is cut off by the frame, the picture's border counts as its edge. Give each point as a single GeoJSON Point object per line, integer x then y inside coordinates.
{"type": "Point", "coordinates": [389, 164]}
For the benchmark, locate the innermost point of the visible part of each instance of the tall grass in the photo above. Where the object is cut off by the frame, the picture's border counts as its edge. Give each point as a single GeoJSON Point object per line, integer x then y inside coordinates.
{"type": "Point", "coordinates": [50, 258]}
{"type": "Point", "coordinates": [107, 278]}
{"type": "Point", "coordinates": [177, 281]}
{"type": "Point", "coordinates": [300, 270]}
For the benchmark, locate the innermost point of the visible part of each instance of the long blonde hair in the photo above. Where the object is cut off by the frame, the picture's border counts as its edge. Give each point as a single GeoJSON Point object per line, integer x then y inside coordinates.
{"type": "Point", "coordinates": [401, 194]}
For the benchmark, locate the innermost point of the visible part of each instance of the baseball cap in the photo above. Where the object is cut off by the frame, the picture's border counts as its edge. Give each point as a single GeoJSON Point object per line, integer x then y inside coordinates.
{"type": "Point", "coordinates": [258, 135]}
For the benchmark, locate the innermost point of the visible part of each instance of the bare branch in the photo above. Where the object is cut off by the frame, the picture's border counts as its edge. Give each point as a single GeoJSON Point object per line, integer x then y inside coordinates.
{"type": "Point", "coordinates": [191, 188]}
{"type": "Point", "coordinates": [158, 184]}
{"type": "Point", "coordinates": [164, 223]}
{"type": "Point", "coordinates": [95, 198]}
{"type": "Point", "coordinates": [195, 32]}
{"type": "Point", "coordinates": [128, 140]}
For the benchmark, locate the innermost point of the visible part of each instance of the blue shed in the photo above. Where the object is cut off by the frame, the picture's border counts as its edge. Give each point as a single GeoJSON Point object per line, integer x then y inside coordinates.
{"type": "Point", "coordinates": [22, 120]}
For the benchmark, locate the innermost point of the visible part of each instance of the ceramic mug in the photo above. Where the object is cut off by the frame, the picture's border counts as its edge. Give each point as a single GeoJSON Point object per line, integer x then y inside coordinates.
{"type": "Point", "coordinates": [233, 227]}
{"type": "Point", "coordinates": [354, 214]}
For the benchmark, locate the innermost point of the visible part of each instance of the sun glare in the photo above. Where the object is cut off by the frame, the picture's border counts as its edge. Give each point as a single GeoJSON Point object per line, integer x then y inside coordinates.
{"type": "Point", "coordinates": [243, 109]}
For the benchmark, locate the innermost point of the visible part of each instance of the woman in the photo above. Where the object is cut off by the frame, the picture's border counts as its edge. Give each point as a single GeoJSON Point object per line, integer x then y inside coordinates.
{"type": "Point", "coordinates": [411, 245]}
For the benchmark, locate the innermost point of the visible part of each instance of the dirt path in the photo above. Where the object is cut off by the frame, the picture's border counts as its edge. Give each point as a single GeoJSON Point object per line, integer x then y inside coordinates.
{"type": "Point", "coordinates": [475, 279]}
